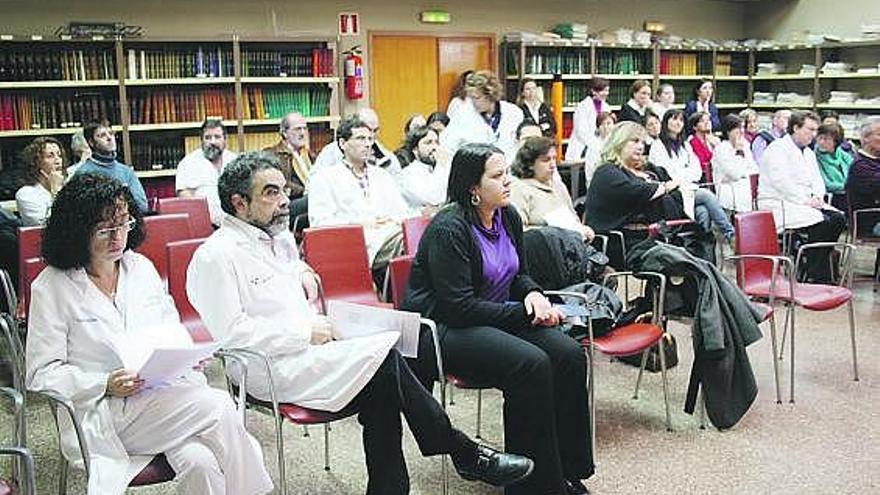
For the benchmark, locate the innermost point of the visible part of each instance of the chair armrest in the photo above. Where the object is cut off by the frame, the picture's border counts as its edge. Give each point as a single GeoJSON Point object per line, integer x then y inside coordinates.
{"type": "Point", "coordinates": [264, 360]}
{"type": "Point", "coordinates": [435, 337]}
{"type": "Point", "coordinates": [242, 363]}
{"type": "Point", "coordinates": [18, 413]}
{"type": "Point", "coordinates": [29, 486]}
{"type": "Point", "coordinates": [847, 248]}
{"type": "Point", "coordinates": [603, 238]}
{"type": "Point", "coordinates": [855, 218]}
{"type": "Point", "coordinates": [57, 402]}
{"type": "Point", "coordinates": [297, 220]}
{"type": "Point", "coordinates": [776, 260]}
{"type": "Point", "coordinates": [575, 295]}
{"type": "Point", "coordinates": [660, 298]}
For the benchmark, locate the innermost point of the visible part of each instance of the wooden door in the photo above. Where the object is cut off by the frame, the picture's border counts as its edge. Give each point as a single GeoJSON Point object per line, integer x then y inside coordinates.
{"type": "Point", "coordinates": [458, 54]}
{"type": "Point", "coordinates": [403, 81]}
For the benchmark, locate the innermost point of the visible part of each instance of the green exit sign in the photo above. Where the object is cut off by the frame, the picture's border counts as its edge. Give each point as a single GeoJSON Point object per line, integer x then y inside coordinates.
{"type": "Point", "coordinates": [435, 17]}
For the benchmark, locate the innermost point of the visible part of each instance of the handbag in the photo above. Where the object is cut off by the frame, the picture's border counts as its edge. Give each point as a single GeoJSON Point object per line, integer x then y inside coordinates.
{"type": "Point", "coordinates": [670, 348]}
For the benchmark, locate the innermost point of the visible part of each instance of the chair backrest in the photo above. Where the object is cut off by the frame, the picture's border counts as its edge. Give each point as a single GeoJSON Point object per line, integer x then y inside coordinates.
{"type": "Point", "coordinates": [339, 255]}
{"type": "Point", "coordinates": [753, 184]}
{"type": "Point", "coordinates": [30, 242]}
{"type": "Point", "coordinates": [398, 270]}
{"type": "Point", "coordinates": [755, 234]}
{"type": "Point", "coordinates": [195, 207]}
{"type": "Point", "coordinates": [9, 302]}
{"type": "Point", "coordinates": [179, 255]}
{"type": "Point", "coordinates": [160, 230]}
{"type": "Point", "coordinates": [413, 228]}
{"type": "Point", "coordinates": [32, 268]}
{"type": "Point", "coordinates": [14, 350]}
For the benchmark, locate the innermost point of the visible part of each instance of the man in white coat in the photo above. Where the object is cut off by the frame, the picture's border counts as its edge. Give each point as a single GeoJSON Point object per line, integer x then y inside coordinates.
{"type": "Point", "coordinates": [354, 192]}
{"type": "Point", "coordinates": [198, 171]}
{"type": "Point", "coordinates": [423, 181]}
{"type": "Point", "coordinates": [792, 187]}
{"type": "Point", "coordinates": [253, 292]}
{"type": "Point", "coordinates": [380, 156]}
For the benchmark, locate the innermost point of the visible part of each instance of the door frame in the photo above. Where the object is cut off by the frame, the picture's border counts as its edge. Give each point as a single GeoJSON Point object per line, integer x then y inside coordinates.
{"type": "Point", "coordinates": [493, 46]}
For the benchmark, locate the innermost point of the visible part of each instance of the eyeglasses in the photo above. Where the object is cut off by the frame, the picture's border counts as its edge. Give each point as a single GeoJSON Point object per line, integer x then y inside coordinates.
{"type": "Point", "coordinates": [109, 232]}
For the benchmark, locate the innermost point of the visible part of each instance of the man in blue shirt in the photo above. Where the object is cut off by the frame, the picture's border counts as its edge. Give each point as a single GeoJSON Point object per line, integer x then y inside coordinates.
{"type": "Point", "coordinates": [103, 161]}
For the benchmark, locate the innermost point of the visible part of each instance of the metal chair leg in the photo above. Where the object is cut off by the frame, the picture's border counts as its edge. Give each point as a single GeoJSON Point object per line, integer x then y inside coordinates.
{"type": "Point", "coordinates": [852, 338]}
{"type": "Point", "coordinates": [791, 358]}
{"type": "Point", "coordinates": [62, 476]}
{"type": "Point", "coordinates": [479, 412]}
{"type": "Point", "coordinates": [773, 358]}
{"type": "Point", "coordinates": [641, 372]}
{"type": "Point", "coordinates": [701, 404]}
{"type": "Point", "coordinates": [279, 443]}
{"type": "Point", "coordinates": [305, 431]}
{"type": "Point", "coordinates": [452, 396]}
{"type": "Point", "coordinates": [326, 446]}
{"type": "Point", "coordinates": [661, 345]}
{"type": "Point", "coordinates": [591, 405]}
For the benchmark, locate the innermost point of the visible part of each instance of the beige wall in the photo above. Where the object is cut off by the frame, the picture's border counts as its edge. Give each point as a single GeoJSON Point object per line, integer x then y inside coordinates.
{"type": "Point", "coordinates": [780, 18]}
{"type": "Point", "coordinates": [190, 18]}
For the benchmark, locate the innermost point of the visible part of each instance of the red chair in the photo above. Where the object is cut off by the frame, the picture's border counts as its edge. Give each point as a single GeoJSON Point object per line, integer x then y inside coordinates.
{"type": "Point", "coordinates": [195, 207]}
{"type": "Point", "coordinates": [413, 228]}
{"type": "Point", "coordinates": [30, 241]}
{"type": "Point", "coordinates": [32, 268]}
{"type": "Point", "coordinates": [179, 255]}
{"type": "Point", "coordinates": [858, 236]}
{"type": "Point", "coordinates": [339, 255]}
{"type": "Point", "coordinates": [761, 273]}
{"type": "Point", "coordinates": [159, 231]}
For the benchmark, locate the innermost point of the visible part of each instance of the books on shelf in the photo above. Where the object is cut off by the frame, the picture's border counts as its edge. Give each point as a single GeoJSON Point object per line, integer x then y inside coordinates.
{"type": "Point", "coordinates": [686, 63]}
{"type": "Point", "coordinates": [317, 62]}
{"type": "Point", "coordinates": [156, 154]}
{"type": "Point", "coordinates": [57, 65]}
{"type": "Point", "coordinates": [50, 111]}
{"type": "Point", "coordinates": [842, 97]}
{"type": "Point", "coordinates": [181, 105]}
{"type": "Point", "coordinates": [794, 99]}
{"type": "Point", "coordinates": [627, 62]}
{"type": "Point", "coordinates": [273, 103]}
{"type": "Point", "coordinates": [173, 63]}
{"type": "Point", "coordinates": [555, 61]}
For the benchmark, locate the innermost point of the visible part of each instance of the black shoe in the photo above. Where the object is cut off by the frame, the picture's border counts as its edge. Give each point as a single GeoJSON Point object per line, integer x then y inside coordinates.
{"type": "Point", "coordinates": [576, 487]}
{"type": "Point", "coordinates": [496, 468]}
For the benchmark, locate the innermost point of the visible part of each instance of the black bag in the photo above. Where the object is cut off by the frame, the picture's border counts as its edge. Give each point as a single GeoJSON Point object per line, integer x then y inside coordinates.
{"type": "Point", "coordinates": [603, 306]}
{"type": "Point", "coordinates": [690, 237]}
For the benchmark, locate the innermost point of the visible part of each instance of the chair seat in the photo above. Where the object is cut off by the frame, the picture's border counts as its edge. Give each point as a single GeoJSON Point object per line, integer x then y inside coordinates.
{"type": "Point", "coordinates": [817, 297]}
{"type": "Point", "coordinates": [157, 471]}
{"type": "Point", "coordinates": [460, 382]}
{"type": "Point", "coordinates": [306, 416]}
{"type": "Point", "coordinates": [627, 340]}
{"type": "Point", "coordinates": [765, 309]}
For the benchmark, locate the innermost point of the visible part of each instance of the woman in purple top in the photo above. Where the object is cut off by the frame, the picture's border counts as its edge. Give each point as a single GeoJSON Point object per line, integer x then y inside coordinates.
{"type": "Point", "coordinates": [498, 329]}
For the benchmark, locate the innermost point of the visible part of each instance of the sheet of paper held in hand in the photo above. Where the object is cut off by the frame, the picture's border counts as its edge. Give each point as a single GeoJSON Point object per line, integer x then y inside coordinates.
{"type": "Point", "coordinates": [158, 354]}
{"type": "Point", "coordinates": [351, 321]}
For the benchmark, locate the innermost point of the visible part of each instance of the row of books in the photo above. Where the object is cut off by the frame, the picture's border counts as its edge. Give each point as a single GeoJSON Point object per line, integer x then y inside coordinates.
{"type": "Point", "coordinates": [170, 64]}
{"type": "Point", "coordinates": [731, 93]}
{"type": "Point", "coordinates": [23, 112]}
{"type": "Point", "coordinates": [319, 62]}
{"type": "Point", "coordinates": [272, 103]}
{"type": "Point", "coordinates": [624, 62]}
{"type": "Point", "coordinates": [152, 155]}
{"type": "Point", "coordinates": [730, 64]}
{"type": "Point", "coordinates": [555, 61]}
{"type": "Point", "coordinates": [181, 105]}
{"type": "Point", "coordinates": [685, 64]}
{"type": "Point", "coordinates": [57, 65]}
{"type": "Point", "coordinates": [618, 93]}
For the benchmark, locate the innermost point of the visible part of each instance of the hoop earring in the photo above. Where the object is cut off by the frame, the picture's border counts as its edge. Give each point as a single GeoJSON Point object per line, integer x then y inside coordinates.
{"type": "Point", "coordinates": [475, 199]}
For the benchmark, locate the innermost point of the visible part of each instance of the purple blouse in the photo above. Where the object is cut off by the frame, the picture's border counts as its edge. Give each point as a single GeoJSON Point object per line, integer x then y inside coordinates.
{"type": "Point", "coordinates": [500, 260]}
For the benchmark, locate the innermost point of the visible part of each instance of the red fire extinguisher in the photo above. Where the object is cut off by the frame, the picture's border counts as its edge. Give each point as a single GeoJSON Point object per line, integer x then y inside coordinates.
{"type": "Point", "coordinates": [354, 73]}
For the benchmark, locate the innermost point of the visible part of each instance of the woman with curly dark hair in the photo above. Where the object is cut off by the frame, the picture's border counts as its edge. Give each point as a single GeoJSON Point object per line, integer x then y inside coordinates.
{"type": "Point", "coordinates": [92, 311]}
{"type": "Point", "coordinates": [44, 160]}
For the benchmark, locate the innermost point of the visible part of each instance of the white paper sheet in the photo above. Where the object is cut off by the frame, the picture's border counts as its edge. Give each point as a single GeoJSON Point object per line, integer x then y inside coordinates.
{"type": "Point", "coordinates": [351, 321]}
{"type": "Point", "coordinates": [165, 364]}
{"type": "Point", "coordinates": [161, 353]}
{"type": "Point", "coordinates": [563, 218]}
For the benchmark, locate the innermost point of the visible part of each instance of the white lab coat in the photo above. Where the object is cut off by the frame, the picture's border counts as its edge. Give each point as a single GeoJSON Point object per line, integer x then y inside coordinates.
{"type": "Point", "coordinates": [336, 198]}
{"type": "Point", "coordinates": [731, 172]}
{"type": "Point", "coordinates": [331, 154]}
{"type": "Point", "coordinates": [789, 178]}
{"type": "Point", "coordinates": [583, 128]}
{"type": "Point", "coordinates": [195, 172]}
{"type": "Point", "coordinates": [468, 126]}
{"type": "Point", "coordinates": [73, 330]}
{"type": "Point", "coordinates": [33, 203]}
{"type": "Point", "coordinates": [247, 288]}
{"type": "Point", "coordinates": [423, 185]}
{"type": "Point", "coordinates": [683, 166]}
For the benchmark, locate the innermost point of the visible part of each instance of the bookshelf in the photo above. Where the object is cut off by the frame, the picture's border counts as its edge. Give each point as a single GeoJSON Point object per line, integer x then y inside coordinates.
{"type": "Point", "coordinates": [157, 92]}
{"type": "Point", "coordinates": [836, 76]}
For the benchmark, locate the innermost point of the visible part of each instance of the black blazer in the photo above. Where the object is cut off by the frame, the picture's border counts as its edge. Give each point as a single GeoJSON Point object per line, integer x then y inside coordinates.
{"type": "Point", "coordinates": [545, 119]}
{"type": "Point", "coordinates": [447, 275]}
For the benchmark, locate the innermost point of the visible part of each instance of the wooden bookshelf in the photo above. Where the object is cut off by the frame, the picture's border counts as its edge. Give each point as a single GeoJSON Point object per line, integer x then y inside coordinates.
{"type": "Point", "coordinates": [188, 78]}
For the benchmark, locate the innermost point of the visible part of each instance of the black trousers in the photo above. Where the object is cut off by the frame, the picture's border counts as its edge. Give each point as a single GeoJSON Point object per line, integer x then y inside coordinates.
{"type": "Point", "coordinates": [394, 389]}
{"type": "Point", "coordinates": [543, 374]}
{"type": "Point", "coordinates": [819, 261]}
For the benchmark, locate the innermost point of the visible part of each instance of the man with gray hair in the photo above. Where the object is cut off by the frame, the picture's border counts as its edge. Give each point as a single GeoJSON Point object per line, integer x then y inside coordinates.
{"type": "Point", "coordinates": [295, 159]}
{"type": "Point", "coordinates": [764, 138]}
{"type": "Point", "coordinates": [863, 182]}
{"type": "Point", "coordinates": [379, 155]}
{"type": "Point", "coordinates": [198, 171]}
{"type": "Point", "coordinates": [254, 292]}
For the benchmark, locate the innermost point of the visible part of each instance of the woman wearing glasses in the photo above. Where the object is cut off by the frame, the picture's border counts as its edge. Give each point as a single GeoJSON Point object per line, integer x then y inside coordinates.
{"type": "Point", "coordinates": [89, 306]}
